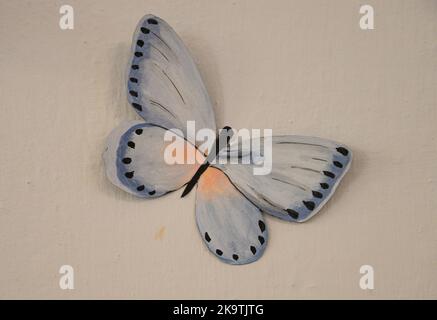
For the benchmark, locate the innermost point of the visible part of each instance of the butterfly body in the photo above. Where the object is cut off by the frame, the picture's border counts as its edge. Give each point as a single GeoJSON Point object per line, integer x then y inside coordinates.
{"type": "Point", "coordinates": [221, 142]}
{"type": "Point", "coordinates": [165, 88]}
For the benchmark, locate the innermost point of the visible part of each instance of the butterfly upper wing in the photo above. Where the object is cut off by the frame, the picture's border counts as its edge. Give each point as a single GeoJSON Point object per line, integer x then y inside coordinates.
{"type": "Point", "coordinates": [134, 160]}
{"type": "Point", "coordinates": [305, 173]}
{"type": "Point", "coordinates": [231, 226]}
{"type": "Point", "coordinates": [164, 85]}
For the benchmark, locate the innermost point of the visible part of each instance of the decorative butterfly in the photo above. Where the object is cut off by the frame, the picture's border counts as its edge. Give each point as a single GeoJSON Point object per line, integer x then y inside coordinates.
{"type": "Point", "coordinates": [166, 90]}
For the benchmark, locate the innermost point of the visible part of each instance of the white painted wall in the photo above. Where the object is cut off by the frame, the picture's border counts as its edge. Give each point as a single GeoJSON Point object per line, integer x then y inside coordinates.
{"type": "Point", "coordinates": [298, 67]}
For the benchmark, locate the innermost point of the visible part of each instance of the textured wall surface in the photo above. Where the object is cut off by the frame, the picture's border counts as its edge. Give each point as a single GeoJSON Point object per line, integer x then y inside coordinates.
{"type": "Point", "coordinates": [298, 67]}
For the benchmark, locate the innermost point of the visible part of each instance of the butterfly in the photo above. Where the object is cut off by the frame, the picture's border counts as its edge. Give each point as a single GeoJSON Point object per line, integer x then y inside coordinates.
{"type": "Point", "coordinates": [165, 88]}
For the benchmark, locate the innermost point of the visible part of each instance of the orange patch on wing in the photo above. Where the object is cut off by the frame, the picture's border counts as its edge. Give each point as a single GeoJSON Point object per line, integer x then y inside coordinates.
{"type": "Point", "coordinates": [214, 183]}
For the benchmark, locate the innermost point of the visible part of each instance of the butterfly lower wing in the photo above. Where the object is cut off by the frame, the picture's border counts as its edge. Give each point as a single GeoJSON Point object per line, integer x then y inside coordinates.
{"type": "Point", "coordinates": [164, 85]}
{"type": "Point", "coordinates": [134, 160]}
{"type": "Point", "coordinates": [231, 226]}
{"type": "Point", "coordinates": [305, 173]}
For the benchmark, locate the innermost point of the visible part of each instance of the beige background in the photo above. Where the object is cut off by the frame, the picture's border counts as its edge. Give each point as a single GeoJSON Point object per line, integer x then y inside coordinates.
{"type": "Point", "coordinates": [298, 67]}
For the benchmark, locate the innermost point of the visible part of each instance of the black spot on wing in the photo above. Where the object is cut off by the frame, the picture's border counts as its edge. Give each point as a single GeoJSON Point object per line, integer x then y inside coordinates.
{"type": "Point", "coordinates": [317, 194]}
{"type": "Point", "coordinates": [324, 185]}
{"type": "Point", "coordinates": [219, 252]}
{"type": "Point", "coordinates": [140, 188]}
{"type": "Point", "coordinates": [253, 249]}
{"type": "Point", "coordinates": [293, 214]}
{"type": "Point", "coordinates": [126, 160]}
{"type": "Point", "coordinates": [145, 30]}
{"type": "Point", "coordinates": [207, 237]}
{"type": "Point", "coordinates": [131, 144]}
{"type": "Point", "coordinates": [309, 204]}
{"type": "Point", "coordinates": [329, 174]}
{"type": "Point", "coordinates": [261, 240]}
{"type": "Point", "coordinates": [235, 257]}
{"type": "Point", "coordinates": [343, 151]}
{"type": "Point", "coordinates": [139, 131]}
{"type": "Point", "coordinates": [262, 226]}
{"type": "Point", "coordinates": [138, 54]}
{"type": "Point", "coordinates": [152, 21]}
{"type": "Point", "coordinates": [137, 106]}
{"type": "Point", "coordinates": [338, 164]}
{"type": "Point", "coordinates": [152, 192]}
{"type": "Point", "coordinates": [133, 93]}
{"type": "Point", "coordinates": [129, 174]}
{"type": "Point", "coordinates": [140, 43]}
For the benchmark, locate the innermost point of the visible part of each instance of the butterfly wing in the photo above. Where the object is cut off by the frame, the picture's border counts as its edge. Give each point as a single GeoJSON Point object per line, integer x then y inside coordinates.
{"type": "Point", "coordinates": [305, 173]}
{"type": "Point", "coordinates": [134, 160]}
{"type": "Point", "coordinates": [231, 226]}
{"type": "Point", "coordinates": [165, 88]}
{"type": "Point", "coordinates": [164, 85]}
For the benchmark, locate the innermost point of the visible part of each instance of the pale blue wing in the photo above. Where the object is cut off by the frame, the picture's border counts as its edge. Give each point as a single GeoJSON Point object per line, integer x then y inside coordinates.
{"type": "Point", "coordinates": [134, 160]}
{"type": "Point", "coordinates": [164, 85]}
{"type": "Point", "coordinates": [230, 225]}
{"type": "Point", "coordinates": [305, 173]}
